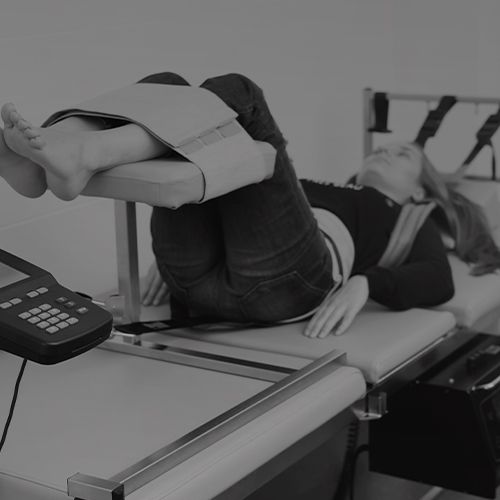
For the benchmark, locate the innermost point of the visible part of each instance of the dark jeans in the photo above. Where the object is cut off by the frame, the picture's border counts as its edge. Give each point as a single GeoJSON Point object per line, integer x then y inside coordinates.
{"type": "Point", "coordinates": [256, 253]}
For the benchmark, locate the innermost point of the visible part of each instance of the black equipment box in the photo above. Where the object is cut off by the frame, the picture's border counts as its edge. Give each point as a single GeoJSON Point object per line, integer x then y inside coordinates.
{"type": "Point", "coordinates": [443, 428]}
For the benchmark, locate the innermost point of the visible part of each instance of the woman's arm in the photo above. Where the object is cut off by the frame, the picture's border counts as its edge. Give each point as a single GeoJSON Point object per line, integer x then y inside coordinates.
{"type": "Point", "coordinates": [424, 280]}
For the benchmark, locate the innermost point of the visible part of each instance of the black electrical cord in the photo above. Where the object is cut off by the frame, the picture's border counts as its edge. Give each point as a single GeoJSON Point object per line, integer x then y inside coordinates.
{"type": "Point", "coordinates": [345, 475]}
{"type": "Point", "coordinates": [357, 453]}
{"type": "Point", "coordinates": [13, 403]}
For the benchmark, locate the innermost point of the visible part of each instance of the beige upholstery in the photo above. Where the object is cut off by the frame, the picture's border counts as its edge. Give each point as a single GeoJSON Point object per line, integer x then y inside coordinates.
{"type": "Point", "coordinates": [103, 411]}
{"type": "Point", "coordinates": [476, 297]}
{"type": "Point", "coordinates": [376, 343]}
{"type": "Point", "coordinates": [165, 182]}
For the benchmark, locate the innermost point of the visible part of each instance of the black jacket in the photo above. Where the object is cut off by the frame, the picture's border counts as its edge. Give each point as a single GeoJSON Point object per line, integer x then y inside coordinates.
{"type": "Point", "coordinates": [424, 279]}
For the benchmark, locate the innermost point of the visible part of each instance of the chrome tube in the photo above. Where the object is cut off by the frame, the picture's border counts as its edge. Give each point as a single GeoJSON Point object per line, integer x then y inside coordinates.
{"type": "Point", "coordinates": [127, 258]}
{"type": "Point", "coordinates": [166, 458]}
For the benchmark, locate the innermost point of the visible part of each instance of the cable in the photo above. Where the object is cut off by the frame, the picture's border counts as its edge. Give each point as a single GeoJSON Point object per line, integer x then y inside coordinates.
{"type": "Point", "coordinates": [357, 453]}
{"type": "Point", "coordinates": [345, 475]}
{"type": "Point", "coordinates": [13, 403]}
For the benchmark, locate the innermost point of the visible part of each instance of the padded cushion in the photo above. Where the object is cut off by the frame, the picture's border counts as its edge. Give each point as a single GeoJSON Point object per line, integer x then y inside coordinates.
{"type": "Point", "coordinates": [165, 182]}
{"type": "Point", "coordinates": [377, 342]}
{"type": "Point", "coordinates": [103, 411]}
{"type": "Point", "coordinates": [215, 469]}
{"type": "Point", "coordinates": [475, 296]}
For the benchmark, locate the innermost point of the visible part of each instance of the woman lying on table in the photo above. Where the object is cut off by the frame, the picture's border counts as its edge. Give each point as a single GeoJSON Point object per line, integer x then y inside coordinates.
{"type": "Point", "coordinates": [257, 253]}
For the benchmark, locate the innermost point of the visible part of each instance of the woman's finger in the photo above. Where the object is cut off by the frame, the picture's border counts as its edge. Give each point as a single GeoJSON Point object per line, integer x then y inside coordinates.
{"type": "Point", "coordinates": [331, 323]}
{"type": "Point", "coordinates": [147, 295]}
{"type": "Point", "coordinates": [319, 319]}
{"type": "Point", "coordinates": [153, 284]}
{"type": "Point", "coordinates": [329, 304]}
{"type": "Point", "coordinates": [161, 294]}
{"type": "Point", "coordinates": [327, 320]}
{"type": "Point", "coordinates": [346, 322]}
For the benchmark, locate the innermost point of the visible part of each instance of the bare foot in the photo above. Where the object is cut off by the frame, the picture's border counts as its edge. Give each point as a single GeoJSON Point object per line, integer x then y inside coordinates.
{"type": "Point", "coordinates": [67, 158]}
{"type": "Point", "coordinates": [26, 177]}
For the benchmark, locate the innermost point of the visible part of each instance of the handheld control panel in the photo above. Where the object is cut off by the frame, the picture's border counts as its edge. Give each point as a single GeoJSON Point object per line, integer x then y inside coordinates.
{"type": "Point", "coordinates": [43, 321]}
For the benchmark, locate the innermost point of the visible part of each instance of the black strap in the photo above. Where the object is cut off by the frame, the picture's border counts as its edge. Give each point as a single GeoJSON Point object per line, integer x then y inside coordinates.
{"type": "Point", "coordinates": [381, 111]}
{"type": "Point", "coordinates": [484, 136]}
{"type": "Point", "coordinates": [434, 119]}
{"type": "Point", "coordinates": [206, 323]}
{"type": "Point", "coordinates": [140, 327]}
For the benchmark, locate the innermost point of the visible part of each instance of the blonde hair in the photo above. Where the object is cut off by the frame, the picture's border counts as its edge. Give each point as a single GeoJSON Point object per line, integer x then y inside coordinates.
{"type": "Point", "coordinates": [464, 220]}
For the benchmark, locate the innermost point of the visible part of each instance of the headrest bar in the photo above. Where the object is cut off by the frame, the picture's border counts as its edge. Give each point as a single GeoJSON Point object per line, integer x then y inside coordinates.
{"type": "Point", "coordinates": [400, 96]}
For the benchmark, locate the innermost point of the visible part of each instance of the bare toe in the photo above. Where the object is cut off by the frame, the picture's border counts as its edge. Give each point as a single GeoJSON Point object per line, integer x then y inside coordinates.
{"type": "Point", "coordinates": [31, 133]}
{"type": "Point", "coordinates": [37, 142]}
{"type": "Point", "coordinates": [5, 112]}
{"type": "Point", "coordinates": [23, 125]}
{"type": "Point", "coordinates": [15, 117]}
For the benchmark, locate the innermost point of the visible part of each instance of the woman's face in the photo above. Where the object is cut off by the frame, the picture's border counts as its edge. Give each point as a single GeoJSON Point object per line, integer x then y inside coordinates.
{"type": "Point", "coordinates": [395, 170]}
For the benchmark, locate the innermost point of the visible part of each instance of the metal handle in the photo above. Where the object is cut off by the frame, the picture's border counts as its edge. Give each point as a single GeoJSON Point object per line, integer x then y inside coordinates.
{"type": "Point", "coordinates": [149, 468]}
{"type": "Point", "coordinates": [488, 386]}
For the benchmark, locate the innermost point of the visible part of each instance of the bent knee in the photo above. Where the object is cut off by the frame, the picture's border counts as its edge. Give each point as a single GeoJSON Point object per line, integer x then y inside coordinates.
{"type": "Point", "coordinates": [165, 78]}
{"type": "Point", "coordinates": [236, 82]}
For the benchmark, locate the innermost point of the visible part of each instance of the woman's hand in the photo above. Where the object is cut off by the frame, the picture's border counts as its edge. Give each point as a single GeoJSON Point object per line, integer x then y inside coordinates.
{"type": "Point", "coordinates": [339, 309]}
{"type": "Point", "coordinates": [155, 289]}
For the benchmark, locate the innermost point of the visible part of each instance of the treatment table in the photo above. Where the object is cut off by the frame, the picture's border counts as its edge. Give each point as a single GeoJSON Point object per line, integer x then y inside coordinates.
{"type": "Point", "coordinates": [191, 420]}
{"type": "Point", "coordinates": [102, 414]}
{"type": "Point", "coordinates": [200, 414]}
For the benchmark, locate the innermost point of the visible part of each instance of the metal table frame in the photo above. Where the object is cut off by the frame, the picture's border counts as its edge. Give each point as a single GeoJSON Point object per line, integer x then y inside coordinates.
{"type": "Point", "coordinates": [120, 485]}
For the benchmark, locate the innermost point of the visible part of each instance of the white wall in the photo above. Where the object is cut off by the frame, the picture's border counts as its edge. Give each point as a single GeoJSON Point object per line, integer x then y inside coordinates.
{"type": "Point", "coordinates": [311, 58]}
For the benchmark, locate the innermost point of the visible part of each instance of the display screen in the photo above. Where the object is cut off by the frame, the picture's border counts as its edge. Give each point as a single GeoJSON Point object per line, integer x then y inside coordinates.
{"type": "Point", "coordinates": [10, 275]}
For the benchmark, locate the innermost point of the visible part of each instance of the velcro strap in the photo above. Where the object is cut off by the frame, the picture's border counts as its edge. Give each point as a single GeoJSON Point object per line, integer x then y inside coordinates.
{"type": "Point", "coordinates": [434, 119]}
{"type": "Point", "coordinates": [484, 136]}
{"type": "Point", "coordinates": [381, 111]}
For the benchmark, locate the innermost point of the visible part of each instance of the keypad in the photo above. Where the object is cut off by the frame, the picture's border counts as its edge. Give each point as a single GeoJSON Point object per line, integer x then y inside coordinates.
{"type": "Point", "coordinates": [9, 303]}
{"type": "Point", "coordinates": [45, 316]}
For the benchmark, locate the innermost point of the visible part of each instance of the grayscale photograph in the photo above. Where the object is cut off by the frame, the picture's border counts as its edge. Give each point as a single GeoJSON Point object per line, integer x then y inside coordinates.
{"type": "Point", "coordinates": [249, 250]}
